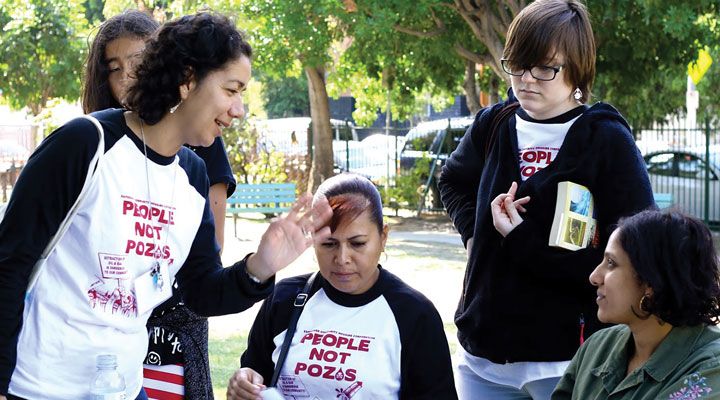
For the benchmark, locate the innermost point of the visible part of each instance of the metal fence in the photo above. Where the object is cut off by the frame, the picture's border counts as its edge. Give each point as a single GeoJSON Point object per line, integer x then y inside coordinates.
{"type": "Point", "coordinates": [684, 161]}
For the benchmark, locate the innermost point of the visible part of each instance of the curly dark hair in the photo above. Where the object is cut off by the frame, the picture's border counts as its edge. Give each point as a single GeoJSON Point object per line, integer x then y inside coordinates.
{"type": "Point", "coordinates": [186, 49]}
{"type": "Point", "coordinates": [674, 254]}
{"type": "Point", "coordinates": [96, 94]}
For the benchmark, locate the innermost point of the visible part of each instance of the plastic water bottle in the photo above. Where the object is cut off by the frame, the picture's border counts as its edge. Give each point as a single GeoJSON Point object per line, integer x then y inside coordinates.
{"type": "Point", "coordinates": [107, 384]}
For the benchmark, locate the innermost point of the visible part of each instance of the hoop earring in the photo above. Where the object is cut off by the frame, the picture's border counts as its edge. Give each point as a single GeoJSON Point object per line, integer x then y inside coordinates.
{"type": "Point", "coordinates": [644, 306]}
{"type": "Point", "coordinates": [578, 94]}
{"type": "Point", "coordinates": [175, 107]}
{"type": "Point", "coordinates": [386, 256]}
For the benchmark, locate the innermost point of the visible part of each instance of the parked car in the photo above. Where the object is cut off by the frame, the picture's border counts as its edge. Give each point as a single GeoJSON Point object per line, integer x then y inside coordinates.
{"type": "Point", "coordinates": [290, 135]}
{"type": "Point", "coordinates": [424, 140]}
{"type": "Point", "coordinates": [681, 172]}
{"type": "Point", "coordinates": [373, 157]}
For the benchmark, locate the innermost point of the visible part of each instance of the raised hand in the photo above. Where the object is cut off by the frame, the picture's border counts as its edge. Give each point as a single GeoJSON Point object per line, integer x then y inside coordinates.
{"type": "Point", "coordinates": [506, 210]}
{"type": "Point", "coordinates": [288, 236]}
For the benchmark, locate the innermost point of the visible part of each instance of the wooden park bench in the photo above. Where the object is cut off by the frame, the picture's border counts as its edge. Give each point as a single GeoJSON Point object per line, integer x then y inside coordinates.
{"type": "Point", "coordinates": [265, 198]}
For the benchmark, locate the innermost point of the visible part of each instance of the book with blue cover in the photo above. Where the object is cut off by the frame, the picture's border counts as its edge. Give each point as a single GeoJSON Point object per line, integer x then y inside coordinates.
{"type": "Point", "coordinates": [574, 222]}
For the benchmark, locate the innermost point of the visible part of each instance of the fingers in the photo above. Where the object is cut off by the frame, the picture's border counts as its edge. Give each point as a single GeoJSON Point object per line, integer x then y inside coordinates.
{"type": "Point", "coordinates": [520, 202]}
{"type": "Point", "coordinates": [321, 213]}
{"type": "Point", "coordinates": [297, 209]}
{"type": "Point", "coordinates": [513, 189]}
{"type": "Point", "coordinates": [245, 384]}
{"type": "Point", "coordinates": [512, 211]}
{"type": "Point", "coordinates": [309, 217]}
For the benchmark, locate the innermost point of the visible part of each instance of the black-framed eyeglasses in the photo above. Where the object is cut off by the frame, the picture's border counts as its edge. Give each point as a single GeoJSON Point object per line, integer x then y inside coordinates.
{"type": "Point", "coordinates": [539, 72]}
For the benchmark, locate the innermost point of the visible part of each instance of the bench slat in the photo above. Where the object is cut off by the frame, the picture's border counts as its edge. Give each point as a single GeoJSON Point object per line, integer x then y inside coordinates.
{"type": "Point", "coordinates": [663, 200]}
{"type": "Point", "coordinates": [258, 209]}
{"type": "Point", "coordinates": [269, 186]}
{"type": "Point", "coordinates": [261, 200]}
{"type": "Point", "coordinates": [266, 198]}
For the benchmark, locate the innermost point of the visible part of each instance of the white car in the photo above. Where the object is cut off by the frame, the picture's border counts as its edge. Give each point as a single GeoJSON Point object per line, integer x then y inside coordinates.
{"type": "Point", "coordinates": [374, 157]}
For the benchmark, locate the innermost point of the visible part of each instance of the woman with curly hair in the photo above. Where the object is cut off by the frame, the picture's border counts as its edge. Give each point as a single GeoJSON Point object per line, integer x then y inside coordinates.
{"type": "Point", "coordinates": [143, 224]}
{"type": "Point", "coordinates": [115, 50]}
{"type": "Point", "coordinates": [659, 282]}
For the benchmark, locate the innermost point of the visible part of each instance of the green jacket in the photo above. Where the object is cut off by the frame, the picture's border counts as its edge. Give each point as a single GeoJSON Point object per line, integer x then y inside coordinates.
{"type": "Point", "coordinates": [686, 365]}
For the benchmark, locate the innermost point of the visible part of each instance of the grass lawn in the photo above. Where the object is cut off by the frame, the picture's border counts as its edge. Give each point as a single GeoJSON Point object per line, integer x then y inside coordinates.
{"type": "Point", "coordinates": [224, 360]}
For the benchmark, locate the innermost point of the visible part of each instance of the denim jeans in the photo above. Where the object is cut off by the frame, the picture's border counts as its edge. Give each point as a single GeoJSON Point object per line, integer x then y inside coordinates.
{"type": "Point", "coordinates": [470, 386]}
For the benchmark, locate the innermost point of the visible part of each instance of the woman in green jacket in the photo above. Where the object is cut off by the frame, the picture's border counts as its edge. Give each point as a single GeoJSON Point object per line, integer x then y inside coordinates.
{"type": "Point", "coordinates": [659, 282]}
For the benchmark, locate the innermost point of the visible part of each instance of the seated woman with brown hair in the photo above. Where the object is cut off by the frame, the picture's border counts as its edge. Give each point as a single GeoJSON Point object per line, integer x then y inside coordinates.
{"type": "Point", "coordinates": [659, 282]}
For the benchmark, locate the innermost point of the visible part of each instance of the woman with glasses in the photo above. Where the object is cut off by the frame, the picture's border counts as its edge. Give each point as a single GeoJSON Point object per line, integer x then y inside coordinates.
{"type": "Point", "coordinates": [526, 305]}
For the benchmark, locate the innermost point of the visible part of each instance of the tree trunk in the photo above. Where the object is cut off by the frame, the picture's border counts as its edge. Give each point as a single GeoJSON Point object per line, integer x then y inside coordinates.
{"type": "Point", "coordinates": [322, 160]}
{"type": "Point", "coordinates": [471, 92]}
{"type": "Point", "coordinates": [495, 96]}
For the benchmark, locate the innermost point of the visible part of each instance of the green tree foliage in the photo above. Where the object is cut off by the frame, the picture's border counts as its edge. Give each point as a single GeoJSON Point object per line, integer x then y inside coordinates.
{"type": "Point", "coordinates": [43, 51]}
{"type": "Point", "coordinates": [286, 97]}
{"type": "Point", "coordinates": [380, 60]}
{"type": "Point", "coordinates": [94, 11]}
{"type": "Point", "coordinates": [250, 161]}
{"type": "Point", "coordinates": [644, 48]}
{"type": "Point", "coordinates": [293, 37]}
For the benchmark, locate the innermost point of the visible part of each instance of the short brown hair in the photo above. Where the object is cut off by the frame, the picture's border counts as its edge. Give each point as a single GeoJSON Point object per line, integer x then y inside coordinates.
{"type": "Point", "coordinates": [548, 27]}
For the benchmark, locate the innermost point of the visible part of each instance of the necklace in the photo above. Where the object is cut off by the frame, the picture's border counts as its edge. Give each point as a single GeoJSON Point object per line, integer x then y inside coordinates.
{"type": "Point", "coordinates": [156, 273]}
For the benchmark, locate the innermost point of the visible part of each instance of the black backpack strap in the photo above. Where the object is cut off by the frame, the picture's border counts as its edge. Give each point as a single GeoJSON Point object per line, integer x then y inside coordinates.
{"type": "Point", "coordinates": [298, 305]}
{"type": "Point", "coordinates": [498, 119]}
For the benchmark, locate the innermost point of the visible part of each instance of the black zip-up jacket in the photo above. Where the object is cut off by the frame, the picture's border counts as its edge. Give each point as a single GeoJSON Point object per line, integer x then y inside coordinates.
{"type": "Point", "coordinates": [522, 299]}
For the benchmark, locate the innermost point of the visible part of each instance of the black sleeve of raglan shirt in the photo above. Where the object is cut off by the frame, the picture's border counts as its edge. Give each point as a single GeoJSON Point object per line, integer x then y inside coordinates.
{"type": "Point", "coordinates": [425, 368]}
{"type": "Point", "coordinates": [208, 288]}
{"type": "Point", "coordinates": [273, 318]}
{"type": "Point", "coordinates": [460, 177]}
{"type": "Point", "coordinates": [217, 164]}
{"type": "Point", "coordinates": [47, 187]}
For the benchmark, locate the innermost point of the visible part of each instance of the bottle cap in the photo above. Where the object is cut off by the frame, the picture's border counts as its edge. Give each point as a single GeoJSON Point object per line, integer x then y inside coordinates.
{"type": "Point", "coordinates": [106, 361]}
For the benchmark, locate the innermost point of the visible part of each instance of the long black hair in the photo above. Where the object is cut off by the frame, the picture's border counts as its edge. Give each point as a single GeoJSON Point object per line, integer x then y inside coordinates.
{"type": "Point", "coordinates": [96, 93]}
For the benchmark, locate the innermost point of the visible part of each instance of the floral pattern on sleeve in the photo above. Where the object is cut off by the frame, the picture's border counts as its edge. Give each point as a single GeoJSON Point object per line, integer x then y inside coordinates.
{"type": "Point", "coordinates": [694, 387]}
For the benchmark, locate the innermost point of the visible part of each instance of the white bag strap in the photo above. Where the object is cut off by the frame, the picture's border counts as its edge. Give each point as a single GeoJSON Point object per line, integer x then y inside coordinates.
{"type": "Point", "coordinates": [92, 169]}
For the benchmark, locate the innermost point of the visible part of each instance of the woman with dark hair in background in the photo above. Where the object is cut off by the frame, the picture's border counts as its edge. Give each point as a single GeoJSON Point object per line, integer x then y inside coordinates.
{"type": "Point", "coordinates": [659, 281]}
{"type": "Point", "coordinates": [144, 223]}
{"type": "Point", "coordinates": [114, 52]}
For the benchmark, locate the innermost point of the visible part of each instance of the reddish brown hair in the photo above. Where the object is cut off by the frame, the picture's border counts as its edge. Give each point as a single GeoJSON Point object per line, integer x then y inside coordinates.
{"type": "Point", "coordinates": [349, 195]}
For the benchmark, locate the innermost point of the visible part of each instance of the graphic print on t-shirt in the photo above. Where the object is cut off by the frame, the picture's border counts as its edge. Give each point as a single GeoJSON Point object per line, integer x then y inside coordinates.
{"type": "Point", "coordinates": [539, 143]}
{"type": "Point", "coordinates": [333, 356]}
{"type": "Point", "coordinates": [146, 226]}
{"type": "Point", "coordinates": [328, 357]}
{"type": "Point", "coordinates": [533, 159]}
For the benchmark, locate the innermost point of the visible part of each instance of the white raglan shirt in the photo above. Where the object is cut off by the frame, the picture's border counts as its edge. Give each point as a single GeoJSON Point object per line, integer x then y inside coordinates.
{"type": "Point", "coordinates": [334, 357]}
{"type": "Point", "coordinates": [74, 314]}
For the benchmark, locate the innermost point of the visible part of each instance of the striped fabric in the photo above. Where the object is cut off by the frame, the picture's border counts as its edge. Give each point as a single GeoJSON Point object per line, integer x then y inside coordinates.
{"type": "Point", "coordinates": [164, 382]}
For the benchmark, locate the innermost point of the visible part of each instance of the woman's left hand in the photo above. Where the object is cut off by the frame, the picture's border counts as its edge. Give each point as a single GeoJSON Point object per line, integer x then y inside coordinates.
{"type": "Point", "coordinates": [505, 210]}
{"type": "Point", "coordinates": [288, 236]}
